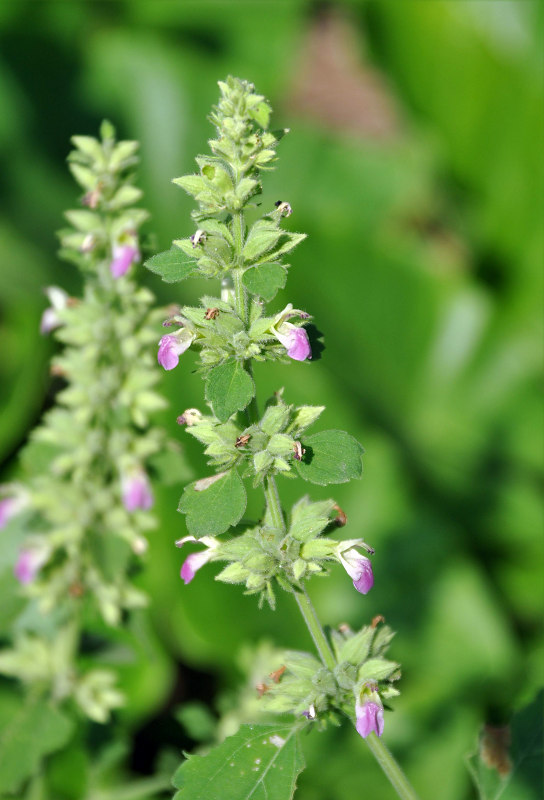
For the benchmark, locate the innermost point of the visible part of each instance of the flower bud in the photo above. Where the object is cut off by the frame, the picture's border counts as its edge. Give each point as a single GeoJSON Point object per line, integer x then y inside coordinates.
{"type": "Point", "coordinates": [136, 491]}
{"type": "Point", "coordinates": [358, 567]}
{"type": "Point", "coordinates": [124, 256]}
{"type": "Point", "coordinates": [59, 301]}
{"type": "Point", "coordinates": [195, 561]}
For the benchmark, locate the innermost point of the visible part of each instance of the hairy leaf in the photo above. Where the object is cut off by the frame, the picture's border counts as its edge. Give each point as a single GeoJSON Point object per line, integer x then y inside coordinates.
{"type": "Point", "coordinates": [265, 280]}
{"type": "Point", "coordinates": [260, 762]}
{"type": "Point", "coordinates": [214, 508]}
{"type": "Point", "coordinates": [330, 457]}
{"type": "Point", "coordinates": [229, 388]}
{"type": "Point", "coordinates": [172, 265]}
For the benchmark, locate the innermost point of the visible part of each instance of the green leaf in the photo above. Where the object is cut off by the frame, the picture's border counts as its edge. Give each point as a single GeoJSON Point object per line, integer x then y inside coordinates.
{"type": "Point", "coordinates": [260, 762]}
{"type": "Point", "coordinates": [28, 733]}
{"type": "Point", "coordinates": [216, 507]}
{"type": "Point", "coordinates": [262, 238]}
{"type": "Point", "coordinates": [229, 388]}
{"type": "Point", "coordinates": [304, 417]}
{"type": "Point", "coordinates": [193, 184]}
{"type": "Point", "coordinates": [265, 280]}
{"type": "Point", "coordinates": [309, 519]}
{"type": "Point", "coordinates": [172, 265]}
{"type": "Point", "coordinates": [330, 457]}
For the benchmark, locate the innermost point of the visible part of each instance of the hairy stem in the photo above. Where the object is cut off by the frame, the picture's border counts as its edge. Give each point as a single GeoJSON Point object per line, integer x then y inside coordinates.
{"type": "Point", "coordinates": [391, 768]}
{"type": "Point", "coordinates": [273, 504]}
{"type": "Point", "coordinates": [316, 631]}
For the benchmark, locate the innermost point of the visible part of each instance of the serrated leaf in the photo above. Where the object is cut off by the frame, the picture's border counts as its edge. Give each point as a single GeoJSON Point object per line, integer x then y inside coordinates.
{"type": "Point", "coordinates": [261, 238]}
{"type": "Point", "coordinates": [265, 280]}
{"type": "Point", "coordinates": [356, 648]}
{"type": "Point", "coordinates": [27, 734]}
{"type": "Point", "coordinates": [309, 519]}
{"type": "Point", "coordinates": [260, 762]}
{"type": "Point", "coordinates": [193, 184]}
{"type": "Point", "coordinates": [172, 265]}
{"type": "Point", "coordinates": [376, 669]}
{"type": "Point", "coordinates": [330, 457]}
{"type": "Point", "coordinates": [229, 388]}
{"type": "Point", "coordinates": [287, 242]}
{"type": "Point", "coordinates": [215, 508]}
{"type": "Point", "coordinates": [304, 417]}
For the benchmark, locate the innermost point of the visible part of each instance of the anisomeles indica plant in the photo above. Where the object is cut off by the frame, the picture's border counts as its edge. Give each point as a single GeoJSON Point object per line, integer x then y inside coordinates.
{"type": "Point", "coordinates": [82, 515]}
{"type": "Point", "coordinates": [230, 329]}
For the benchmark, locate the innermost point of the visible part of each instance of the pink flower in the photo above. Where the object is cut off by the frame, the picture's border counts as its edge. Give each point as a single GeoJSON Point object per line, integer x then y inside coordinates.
{"type": "Point", "coordinates": [369, 717]}
{"type": "Point", "coordinates": [13, 504]}
{"type": "Point", "coordinates": [358, 567]}
{"type": "Point", "coordinates": [50, 317]}
{"type": "Point", "coordinates": [193, 562]}
{"type": "Point", "coordinates": [136, 491]}
{"type": "Point", "coordinates": [124, 256]}
{"type": "Point", "coordinates": [172, 346]}
{"type": "Point", "coordinates": [295, 340]}
{"type": "Point", "coordinates": [31, 560]}
{"type": "Point", "coordinates": [293, 337]}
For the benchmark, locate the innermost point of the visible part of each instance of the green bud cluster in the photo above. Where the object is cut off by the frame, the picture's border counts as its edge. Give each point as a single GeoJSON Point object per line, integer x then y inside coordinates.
{"type": "Point", "coordinates": [92, 444]}
{"type": "Point", "coordinates": [304, 686]}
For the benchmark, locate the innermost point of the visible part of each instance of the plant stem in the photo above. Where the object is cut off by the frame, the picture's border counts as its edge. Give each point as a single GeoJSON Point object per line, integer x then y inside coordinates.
{"type": "Point", "coordinates": [316, 631]}
{"type": "Point", "coordinates": [391, 768]}
{"type": "Point", "coordinates": [273, 504]}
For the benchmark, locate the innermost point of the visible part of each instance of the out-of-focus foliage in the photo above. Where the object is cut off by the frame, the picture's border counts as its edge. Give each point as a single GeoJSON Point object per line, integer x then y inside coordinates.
{"type": "Point", "coordinates": [414, 165]}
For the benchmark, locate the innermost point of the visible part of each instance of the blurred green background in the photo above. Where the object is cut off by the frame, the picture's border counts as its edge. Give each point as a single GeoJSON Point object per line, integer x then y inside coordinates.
{"type": "Point", "coordinates": [414, 164]}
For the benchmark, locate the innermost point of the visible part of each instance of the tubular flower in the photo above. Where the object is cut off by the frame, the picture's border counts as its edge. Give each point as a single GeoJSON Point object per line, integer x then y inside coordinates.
{"type": "Point", "coordinates": [358, 567]}
{"type": "Point", "coordinates": [50, 317]}
{"type": "Point", "coordinates": [31, 560]}
{"type": "Point", "coordinates": [136, 491]}
{"type": "Point", "coordinates": [369, 717]}
{"type": "Point", "coordinates": [194, 561]}
{"type": "Point", "coordinates": [293, 337]}
{"type": "Point", "coordinates": [124, 256]}
{"type": "Point", "coordinates": [172, 346]}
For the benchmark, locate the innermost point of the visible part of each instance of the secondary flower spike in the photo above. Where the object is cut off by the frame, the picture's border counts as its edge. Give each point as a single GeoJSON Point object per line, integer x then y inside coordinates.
{"type": "Point", "coordinates": [358, 567]}
{"type": "Point", "coordinates": [124, 256]}
{"type": "Point", "coordinates": [172, 346]}
{"type": "Point", "coordinates": [195, 561]}
{"type": "Point", "coordinates": [369, 717]}
{"type": "Point", "coordinates": [293, 337]}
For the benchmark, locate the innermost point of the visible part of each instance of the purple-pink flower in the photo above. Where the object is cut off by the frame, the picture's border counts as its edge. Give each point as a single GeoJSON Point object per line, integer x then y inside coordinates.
{"type": "Point", "coordinates": [30, 561]}
{"type": "Point", "coordinates": [172, 346]}
{"type": "Point", "coordinates": [50, 317]}
{"type": "Point", "coordinates": [12, 504]}
{"type": "Point", "coordinates": [369, 717]}
{"type": "Point", "coordinates": [293, 338]}
{"type": "Point", "coordinates": [358, 567]}
{"type": "Point", "coordinates": [195, 561]}
{"type": "Point", "coordinates": [124, 256]}
{"type": "Point", "coordinates": [136, 491]}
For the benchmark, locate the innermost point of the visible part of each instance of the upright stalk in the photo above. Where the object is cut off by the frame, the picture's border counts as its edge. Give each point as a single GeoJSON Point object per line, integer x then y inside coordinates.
{"type": "Point", "coordinates": [378, 749]}
{"type": "Point", "coordinates": [391, 768]}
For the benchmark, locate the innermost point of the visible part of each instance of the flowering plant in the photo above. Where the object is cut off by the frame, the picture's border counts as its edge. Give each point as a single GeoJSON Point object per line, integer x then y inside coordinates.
{"type": "Point", "coordinates": [283, 550]}
{"type": "Point", "coordinates": [78, 522]}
